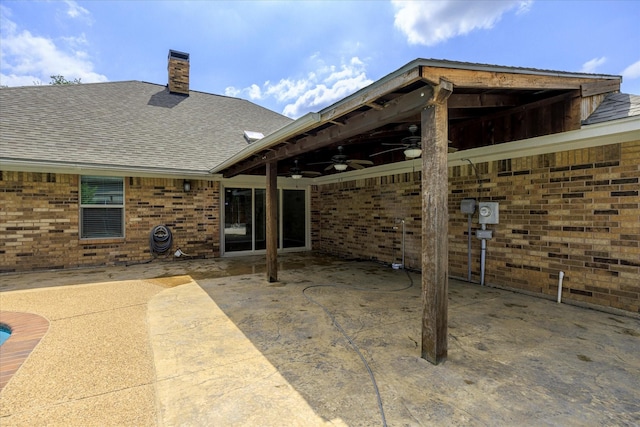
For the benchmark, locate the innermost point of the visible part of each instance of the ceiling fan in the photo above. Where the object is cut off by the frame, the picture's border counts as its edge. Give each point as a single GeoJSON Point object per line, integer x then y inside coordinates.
{"type": "Point", "coordinates": [296, 173]}
{"type": "Point", "coordinates": [410, 144]}
{"type": "Point", "coordinates": [341, 162]}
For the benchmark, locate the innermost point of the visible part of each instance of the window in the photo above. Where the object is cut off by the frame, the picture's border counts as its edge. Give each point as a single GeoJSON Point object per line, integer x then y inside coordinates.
{"type": "Point", "coordinates": [101, 207]}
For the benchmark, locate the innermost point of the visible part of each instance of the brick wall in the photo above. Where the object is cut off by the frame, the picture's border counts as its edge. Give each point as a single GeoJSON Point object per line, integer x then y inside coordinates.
{"type": "Point", "coordinates": [574, 211]}
{"type": "Point", "coordinates": [39, 221]}
{"type": "Point", "coordinates": [362, 218]}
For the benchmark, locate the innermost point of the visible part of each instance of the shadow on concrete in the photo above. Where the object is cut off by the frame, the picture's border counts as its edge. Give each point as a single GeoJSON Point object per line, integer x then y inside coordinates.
{"type": "Point", "coordinates": [513, 359]}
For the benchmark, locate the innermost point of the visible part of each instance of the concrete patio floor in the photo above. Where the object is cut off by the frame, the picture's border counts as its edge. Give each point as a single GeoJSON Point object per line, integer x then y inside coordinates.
{"type": "Point", "coordinates": [334, 342]}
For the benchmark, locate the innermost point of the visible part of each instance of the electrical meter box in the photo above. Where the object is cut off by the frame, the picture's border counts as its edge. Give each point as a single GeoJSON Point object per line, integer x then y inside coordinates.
{"type": "Point", "coordinates": [488, 213]}
{"type": "Point", "coordinates": [468, 206]}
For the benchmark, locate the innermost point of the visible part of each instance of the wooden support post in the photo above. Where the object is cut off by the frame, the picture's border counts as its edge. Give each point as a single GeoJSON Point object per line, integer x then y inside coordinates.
{"type": "Point", "coordinates": [435, 219]}
{"type": "Point", "coordinates": [272, 221]}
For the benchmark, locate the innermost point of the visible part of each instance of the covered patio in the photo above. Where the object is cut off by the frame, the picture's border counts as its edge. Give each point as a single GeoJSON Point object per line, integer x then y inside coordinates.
{"type": "Point", "coordinates": [333, 342]}
{"type": "Point", "coordinates": [424, 110]}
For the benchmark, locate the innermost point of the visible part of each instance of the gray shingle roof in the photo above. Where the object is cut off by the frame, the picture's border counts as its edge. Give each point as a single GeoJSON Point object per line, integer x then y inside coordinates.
{"type": "Point", "coordinates": [615, 106]}
{"type": "Point", "coordinates": [127, 124]}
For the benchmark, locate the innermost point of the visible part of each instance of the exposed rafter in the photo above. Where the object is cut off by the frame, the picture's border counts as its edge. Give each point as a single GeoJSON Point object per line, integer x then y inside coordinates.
{"type": "Point", "coordinates": [372, 96]}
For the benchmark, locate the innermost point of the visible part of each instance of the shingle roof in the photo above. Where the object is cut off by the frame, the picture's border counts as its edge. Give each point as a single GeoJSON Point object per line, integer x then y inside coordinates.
{"type": "Point", "coordinates": [615, 106]}
{"type": "Point", "coordinates": [127, 124]}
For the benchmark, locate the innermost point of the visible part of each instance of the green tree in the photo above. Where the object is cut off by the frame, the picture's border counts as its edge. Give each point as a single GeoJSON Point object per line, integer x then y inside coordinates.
{"type": "Point", "coordinates": [61, 80]}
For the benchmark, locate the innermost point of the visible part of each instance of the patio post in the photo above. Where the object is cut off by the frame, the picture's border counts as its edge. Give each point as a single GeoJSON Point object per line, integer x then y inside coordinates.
{"type": "Point", "coordinates": [272, 221]}
{"type": "Point", "coordinates": [435, 218]}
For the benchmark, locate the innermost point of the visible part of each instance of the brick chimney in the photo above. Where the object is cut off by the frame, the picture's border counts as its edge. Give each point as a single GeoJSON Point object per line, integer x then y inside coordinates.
{"type": "Point", "coordinates": [178, 72]}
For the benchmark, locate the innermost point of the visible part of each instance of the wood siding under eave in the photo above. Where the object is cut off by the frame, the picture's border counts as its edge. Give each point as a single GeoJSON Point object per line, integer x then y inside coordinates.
{"type": "Point", "coordinates": [561, 114]}
{"type": "Point", "coordinates": [589, 105]}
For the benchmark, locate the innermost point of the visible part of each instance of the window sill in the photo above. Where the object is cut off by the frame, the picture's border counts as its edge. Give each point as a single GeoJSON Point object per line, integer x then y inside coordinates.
{"type": "Point", "coordinates": [94, 241]}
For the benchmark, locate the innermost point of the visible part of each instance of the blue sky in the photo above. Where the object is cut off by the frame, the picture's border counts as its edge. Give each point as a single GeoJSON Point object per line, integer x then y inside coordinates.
{"type": "Point", "coordinates": [300, 56]}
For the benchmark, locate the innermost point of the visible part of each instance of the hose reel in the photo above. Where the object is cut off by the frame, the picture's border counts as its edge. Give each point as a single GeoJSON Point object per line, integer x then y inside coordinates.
{"type": "Point", "coordinates": [160, 239]}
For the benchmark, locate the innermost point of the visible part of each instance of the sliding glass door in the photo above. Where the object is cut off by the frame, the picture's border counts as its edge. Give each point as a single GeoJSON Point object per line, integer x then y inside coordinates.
{"type": "Point", "coordinates": [294, 218]}
{"type": "Point", "coordinates": [238, 219]}
{"type": "Point", "coordinates": [245, 221]}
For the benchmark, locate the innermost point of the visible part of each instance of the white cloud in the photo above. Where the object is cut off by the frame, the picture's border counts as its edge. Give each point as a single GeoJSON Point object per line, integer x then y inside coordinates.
{"type": "Point", "coordinates": [26, 59]}
{"type": "Point", "coordinates": [325, 85]}
{"type": "Point", "coordinates": [254, 92]}
{"type": "Point", "coordinates": [632, 71]}
{"type": "Point", "coordinates": [434, 21]}
{"type": "Point", "coordinates": [287, 89]}
{"type": "Point", "coordinates": [593, 65]}
{"type": "Point", "coordinates": [75, 10]}
{"type": "Point", "coordinates": [232, 91]}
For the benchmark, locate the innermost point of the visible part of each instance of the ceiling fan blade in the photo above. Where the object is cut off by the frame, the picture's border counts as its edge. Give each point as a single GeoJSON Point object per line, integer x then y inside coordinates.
{"type": "Point", "coordinates": [361, 162]}
{"type": "Point", "coordinates": [387, 151]}
{"type": "Point", "coordinates": [311, 173]}
{"type": "Point", "coordinates": [356, 165]}
{"type": "Point", "coordinates": [394, 143]}
{"type": "Point", "coordinates": [328, 167]}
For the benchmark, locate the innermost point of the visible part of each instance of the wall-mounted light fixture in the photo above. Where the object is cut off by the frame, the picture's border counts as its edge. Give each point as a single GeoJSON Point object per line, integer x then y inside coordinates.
{"type": "Point", "coordinates": [340, 167]}
{"type": "Point", "coordinates": [186, 186]}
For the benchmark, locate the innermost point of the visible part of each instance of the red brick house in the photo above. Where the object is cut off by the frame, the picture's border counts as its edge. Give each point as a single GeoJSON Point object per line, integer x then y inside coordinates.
{"type": "Point", "coordinates": [88, 171]}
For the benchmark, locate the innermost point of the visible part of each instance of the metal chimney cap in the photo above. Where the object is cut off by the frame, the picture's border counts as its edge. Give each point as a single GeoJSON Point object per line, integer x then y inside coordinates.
{"type": "Point", "coordinates": [178, 55]}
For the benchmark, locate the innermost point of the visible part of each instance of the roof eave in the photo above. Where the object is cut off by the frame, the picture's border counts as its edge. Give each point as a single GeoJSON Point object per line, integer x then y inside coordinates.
{"type": "Point", "coordinates": [21, 165]}
{"type": "Point", "coordinates": [296, 127]}
{"type": "Point", "coordinates": [310, 120]}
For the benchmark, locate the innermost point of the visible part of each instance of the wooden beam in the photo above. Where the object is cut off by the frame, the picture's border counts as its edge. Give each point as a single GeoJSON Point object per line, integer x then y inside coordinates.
{"type": "Point", "coordinates": [573, 114]}
{"type": "Point", "coordinates": [272, 221]}
{"type": "Point", "coordinates": [370, 96]}
{"type": "Point", "coordinates": [485, 79]}
{"type": "Point", "coordinates": [482, 100]}
{"type": "Point", "coordinates": [435, 220]}
{"type": "Point", "coordinates": [600, 87]}
{"type": "Point", "coordinates": [374, 106]}
{"type": "Point", "coordinates": [396, 110]}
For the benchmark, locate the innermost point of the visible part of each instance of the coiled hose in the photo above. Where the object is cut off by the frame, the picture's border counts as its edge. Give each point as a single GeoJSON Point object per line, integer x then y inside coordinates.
{"type": "Point", "coordinates": [160, 239]}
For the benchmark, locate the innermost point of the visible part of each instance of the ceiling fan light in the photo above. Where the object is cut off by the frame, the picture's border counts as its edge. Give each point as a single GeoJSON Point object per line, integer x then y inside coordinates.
{"type": "Point", "coordinates": [296, 175]}
{"type": "Point", "coordinates": [340, 166]}
{"type": "Point", "coordinates": [412, 152]}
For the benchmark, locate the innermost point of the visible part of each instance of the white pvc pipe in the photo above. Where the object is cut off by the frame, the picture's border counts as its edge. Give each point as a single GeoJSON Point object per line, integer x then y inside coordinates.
{"type": "Point", "coordinates": [469, 248]}
{"type": "Point", "coordinates": [403, 243]}
{"type": "Point", "coordinates": [560, 277]}
{"type": "Point", "coordinates": [483, 252]}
